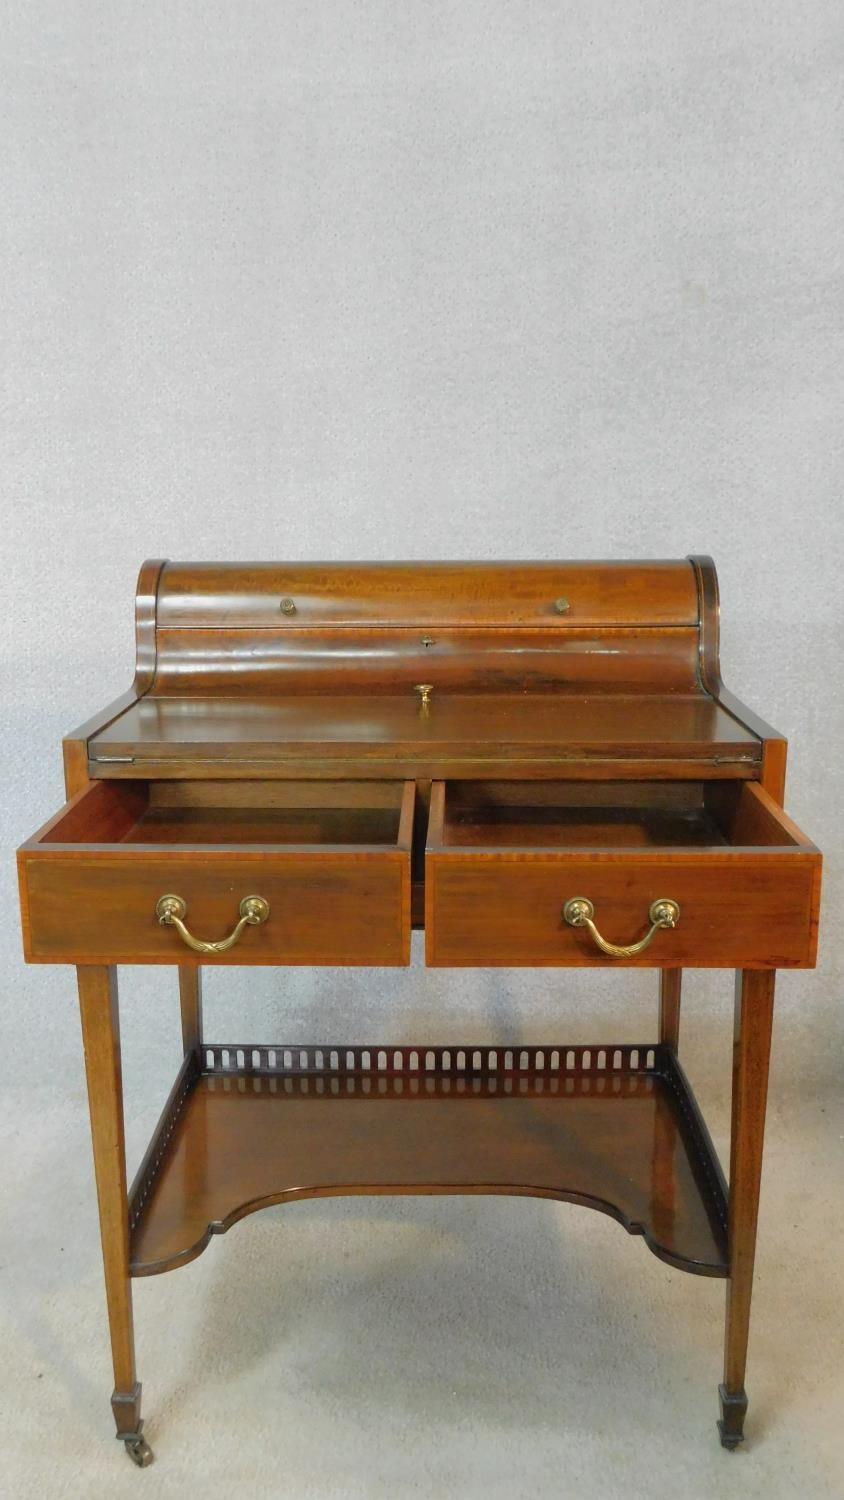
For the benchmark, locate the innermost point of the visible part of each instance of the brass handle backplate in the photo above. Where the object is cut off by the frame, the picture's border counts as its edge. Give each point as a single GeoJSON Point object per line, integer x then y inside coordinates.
{"type": "Point", "coordinates": [172, 910]}
{"type": "Point", "coordinates": [579, 912]}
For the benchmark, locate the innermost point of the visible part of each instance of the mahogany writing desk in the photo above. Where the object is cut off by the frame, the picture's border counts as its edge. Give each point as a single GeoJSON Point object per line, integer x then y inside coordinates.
{"type": "Point", "coordinates": [538, 763]}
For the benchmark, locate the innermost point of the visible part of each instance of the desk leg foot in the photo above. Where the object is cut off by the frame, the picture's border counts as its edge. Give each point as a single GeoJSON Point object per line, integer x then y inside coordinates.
{"type": "Point", "coordinates": [126, 1406]}
{"type": "Point", "coordinates": [733, 1412]}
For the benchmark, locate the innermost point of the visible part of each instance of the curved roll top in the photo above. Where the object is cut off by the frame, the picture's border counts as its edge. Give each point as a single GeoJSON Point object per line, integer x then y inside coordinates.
{"type": "Point", "coordinates": [257, 595]}
{"type": "Point", "coordinates": [276, 628]}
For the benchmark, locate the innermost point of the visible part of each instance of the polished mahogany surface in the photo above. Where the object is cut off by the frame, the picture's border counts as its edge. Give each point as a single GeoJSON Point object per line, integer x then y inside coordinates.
{"type": "Point", "coordinates": [615, 1137]}
{"type": "Point", "coordinates": [316, 669]}
{"type": "Point", "coordinates": [502, 860]}
{"type": "Point", "coordinates": [248, 595]}
{"type": "Point", "coordinates": [332, 862]}
{"type": "Point", "coordinates": [384, 729]}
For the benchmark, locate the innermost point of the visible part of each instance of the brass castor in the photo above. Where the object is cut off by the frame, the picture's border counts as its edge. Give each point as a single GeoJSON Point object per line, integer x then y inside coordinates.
{"type": "Point", "coordinates": [139, 1451]}
{"type": "Point", "coordinates": [729, 1441]}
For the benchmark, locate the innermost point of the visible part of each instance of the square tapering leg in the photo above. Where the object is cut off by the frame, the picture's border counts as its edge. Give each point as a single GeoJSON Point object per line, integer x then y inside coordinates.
{"type": "Point", "coordinates": [101, 1039]}
{"type": "Point", "coordinates": [754, 1010]}
{"type": "Point", "coordinates": [190, 1001]}
{"type": "Point", "coordinates": [670, 986]}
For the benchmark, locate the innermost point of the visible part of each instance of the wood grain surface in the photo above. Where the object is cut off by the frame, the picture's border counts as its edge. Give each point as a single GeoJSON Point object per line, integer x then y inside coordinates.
{"type": "Point", "coordinates": [337, 880]}
{"type": "Point", "coordinates": [748, 897]}
{"type": "Point", "coordinates": [615, 1142]}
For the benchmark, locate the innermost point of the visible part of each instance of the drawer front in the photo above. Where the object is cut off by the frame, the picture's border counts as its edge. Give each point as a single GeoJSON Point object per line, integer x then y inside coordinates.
{"type": "Point", "coordinates": [325, 907]}
{"type": "Point", "coordinates": [738, 909]}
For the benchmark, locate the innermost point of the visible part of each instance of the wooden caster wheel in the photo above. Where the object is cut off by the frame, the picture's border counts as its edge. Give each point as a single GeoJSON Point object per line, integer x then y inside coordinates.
{"type": "Point", "coordinates": [139, 1451]}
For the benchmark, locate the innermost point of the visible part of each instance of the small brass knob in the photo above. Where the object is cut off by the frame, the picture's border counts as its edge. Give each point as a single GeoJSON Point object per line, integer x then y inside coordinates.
{"type": "Point", "coordinates": [424, 689]}
{"type": "Point", "coordinates": [562, 606]}
{"type": "Point", "coordinates": [288, 606]}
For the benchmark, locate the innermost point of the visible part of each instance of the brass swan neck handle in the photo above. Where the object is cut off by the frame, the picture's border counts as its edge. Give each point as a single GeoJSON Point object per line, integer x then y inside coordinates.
{"type": "Point", "coordinates": [172, 910]}
{"type": "Point", "coordinates": [663, 914]}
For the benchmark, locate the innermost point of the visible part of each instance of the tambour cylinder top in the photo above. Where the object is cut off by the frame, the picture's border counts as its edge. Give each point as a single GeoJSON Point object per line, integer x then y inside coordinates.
{"type": "Point", "coordinates": [272, 628]}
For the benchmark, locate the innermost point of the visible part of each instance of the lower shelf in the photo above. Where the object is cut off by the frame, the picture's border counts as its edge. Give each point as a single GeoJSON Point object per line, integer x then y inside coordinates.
{"type": "Point", "coordinates": [613, 1127]}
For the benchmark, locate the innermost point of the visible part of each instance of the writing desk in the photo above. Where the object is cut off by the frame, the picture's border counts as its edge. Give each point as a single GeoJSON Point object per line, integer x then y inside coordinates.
{"type": "Point", "coordinates": [536, 762]}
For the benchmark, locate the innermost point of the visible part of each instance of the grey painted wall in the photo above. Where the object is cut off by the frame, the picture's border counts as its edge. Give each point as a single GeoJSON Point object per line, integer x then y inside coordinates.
{"type": "Point", "coordinates": [429, 280]}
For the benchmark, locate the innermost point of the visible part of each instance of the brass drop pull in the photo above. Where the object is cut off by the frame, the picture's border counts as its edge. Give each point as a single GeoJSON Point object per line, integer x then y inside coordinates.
{"type": "Point", "coordinates": [172, 910]}
{"type": "Point", "coordinates": [579, 911]}
{"type": "Point", "coordinates": [424, 689]}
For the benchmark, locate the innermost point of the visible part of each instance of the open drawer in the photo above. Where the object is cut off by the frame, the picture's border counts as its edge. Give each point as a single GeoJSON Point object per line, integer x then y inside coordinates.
{"type": "Point", "coordinates": [254, 872]}
{"type": "Point", "coordinates": [699, 874]}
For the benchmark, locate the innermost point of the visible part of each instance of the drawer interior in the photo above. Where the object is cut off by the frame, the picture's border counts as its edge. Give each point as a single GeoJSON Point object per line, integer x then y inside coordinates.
{"type": "Point", "coordinates": [607, 815]}
{"type": "Point", "coordinates": [286, 813]}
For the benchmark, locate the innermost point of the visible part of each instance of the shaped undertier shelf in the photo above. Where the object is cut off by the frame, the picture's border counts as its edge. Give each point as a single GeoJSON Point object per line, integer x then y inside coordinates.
{"type": "Point", "coordinates": [612, 1127]}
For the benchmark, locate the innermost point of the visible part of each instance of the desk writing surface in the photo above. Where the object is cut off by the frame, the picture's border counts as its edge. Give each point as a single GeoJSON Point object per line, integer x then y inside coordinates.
{"type": "Point", "coordinates": [389, 727]}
